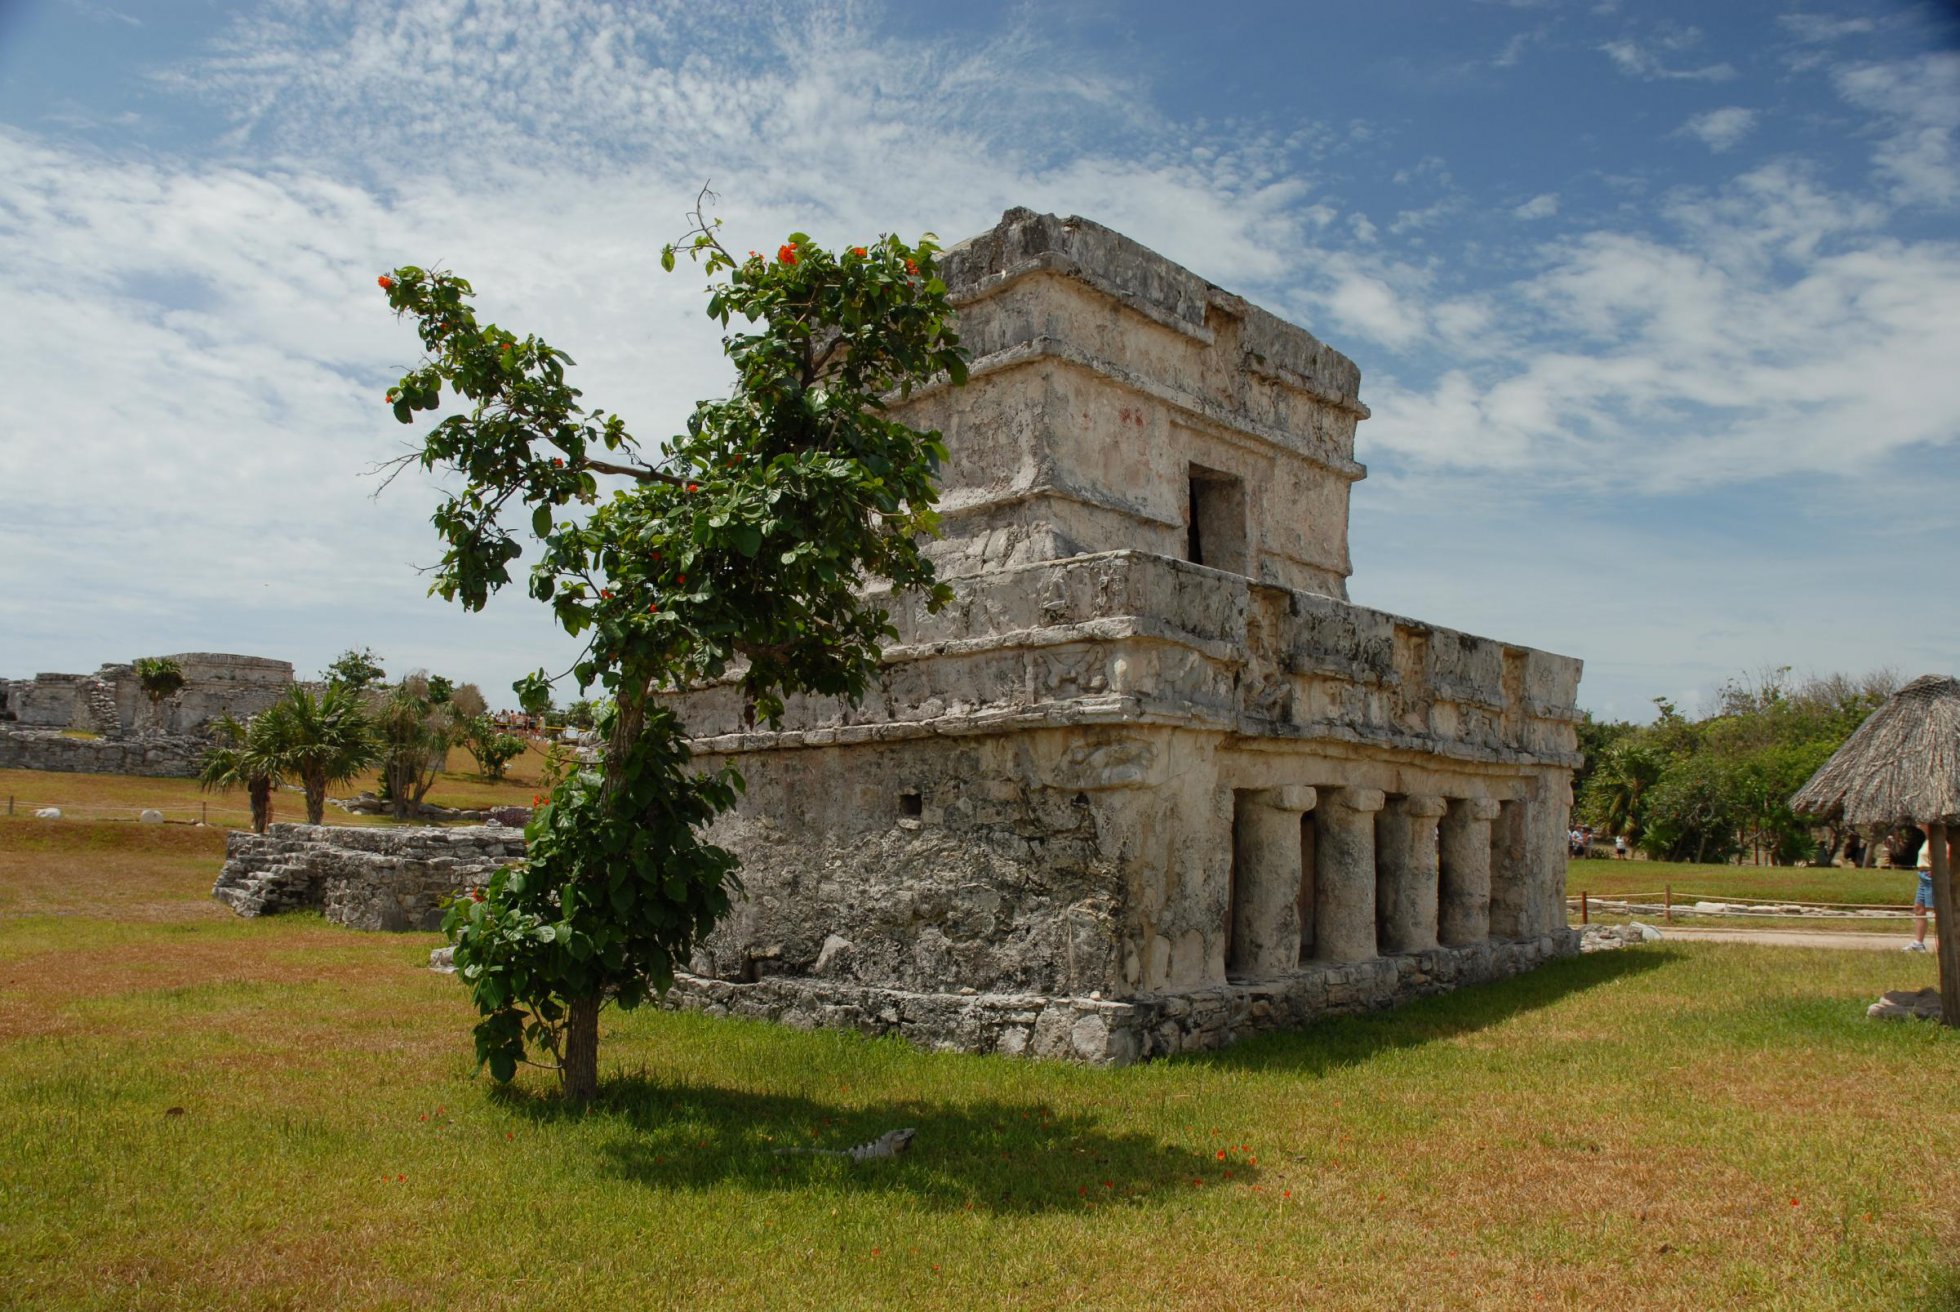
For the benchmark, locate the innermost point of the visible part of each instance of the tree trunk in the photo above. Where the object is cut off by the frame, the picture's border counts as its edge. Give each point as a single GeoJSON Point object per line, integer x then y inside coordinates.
{"type": "Point", "coordinates": [1943, 924]}
{"type": "Point", "coordinates": [316, 800]}
{"type": "Point", "coordinates": [260, 791]}
{"type": "Point", "coordinates": [580, 1073]}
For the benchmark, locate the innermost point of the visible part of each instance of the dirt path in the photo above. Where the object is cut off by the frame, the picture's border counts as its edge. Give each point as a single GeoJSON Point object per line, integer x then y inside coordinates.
{"type": "Point", "coordinates": [1795, 938]}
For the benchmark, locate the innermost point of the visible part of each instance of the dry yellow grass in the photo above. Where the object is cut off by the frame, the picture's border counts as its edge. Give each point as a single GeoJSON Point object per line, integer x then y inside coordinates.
{"type": "Point", "coordinates": [123, 797]}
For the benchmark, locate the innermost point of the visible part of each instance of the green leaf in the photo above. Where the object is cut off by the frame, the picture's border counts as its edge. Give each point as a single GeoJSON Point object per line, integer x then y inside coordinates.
{"type": "Point", "coordinates": [541, 521]}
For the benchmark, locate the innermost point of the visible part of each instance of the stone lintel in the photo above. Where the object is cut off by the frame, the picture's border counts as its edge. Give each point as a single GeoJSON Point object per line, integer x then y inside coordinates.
{"type": "Point", "coordinates": [1357, 799]}
{"type": "Point", "coordinates": [1297, 798]}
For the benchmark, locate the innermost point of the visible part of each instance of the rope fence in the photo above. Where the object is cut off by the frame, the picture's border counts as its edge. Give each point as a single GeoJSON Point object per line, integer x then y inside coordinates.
{"type": "Point", "coordinates": [221, 811]}
{"type": "Point", "coordinates": [1667, 903]}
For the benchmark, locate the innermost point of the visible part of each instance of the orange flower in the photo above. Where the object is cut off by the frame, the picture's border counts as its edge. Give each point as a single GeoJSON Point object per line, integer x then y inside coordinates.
{"type": "Point", "coordinates": [1221, 1154]}
{"type": "Point", "coordinates": [911, 266]}
{"type": "Point", "coordinates": [786, 254]}
{"type": "Point", "coordinates": [605, 594]}
{"type": "Point", "coordinates": [557, 462]}
{"type": "Point", "coordinates": [694, 487]}
{"type": "Point", "coordinates": [858, 251]}
{"type": "Point", "coordinates": [652, 609]}
{"type": "Point", "coordinates": [386, 283]}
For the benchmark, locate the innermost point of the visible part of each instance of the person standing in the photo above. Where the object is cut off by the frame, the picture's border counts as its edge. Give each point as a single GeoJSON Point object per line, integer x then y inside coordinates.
{"type": "Point", "coordinates": [1923, 898]}
{"type": "Point", "coordinates": [1620, 847]}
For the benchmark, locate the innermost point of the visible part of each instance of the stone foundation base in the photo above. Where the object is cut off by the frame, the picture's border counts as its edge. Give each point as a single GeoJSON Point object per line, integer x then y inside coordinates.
{"type": "Point", "coordinates": [1104, 1033]}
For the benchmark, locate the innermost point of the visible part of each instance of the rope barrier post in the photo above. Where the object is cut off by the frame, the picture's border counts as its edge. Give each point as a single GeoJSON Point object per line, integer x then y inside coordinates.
{"type": "Point", "coordinates": [1585, 910]}
{"type": "Point", "coordinates": [203, 812]}
{"type": "Point", "coordinates": [1667, 907]}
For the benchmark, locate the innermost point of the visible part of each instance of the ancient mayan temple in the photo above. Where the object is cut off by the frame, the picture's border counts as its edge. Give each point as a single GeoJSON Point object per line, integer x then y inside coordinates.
{"type": "Point", "coordinates": [1151, 782]}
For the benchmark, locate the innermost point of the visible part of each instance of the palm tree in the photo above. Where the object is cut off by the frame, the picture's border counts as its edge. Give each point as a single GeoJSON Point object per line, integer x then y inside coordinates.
{"type": "Point", "coordinates": [1616, 795]}
{"type": "Point", "coordinates": [247, 756]}
{"type": "Point", "coordinates": [323, 740]}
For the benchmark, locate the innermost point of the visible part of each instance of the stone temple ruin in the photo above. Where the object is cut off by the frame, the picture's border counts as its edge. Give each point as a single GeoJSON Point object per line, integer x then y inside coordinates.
{"type": "Point", "coordinates": [1151, 782]}
{"type": "Point", "coordinates": [125, 732]}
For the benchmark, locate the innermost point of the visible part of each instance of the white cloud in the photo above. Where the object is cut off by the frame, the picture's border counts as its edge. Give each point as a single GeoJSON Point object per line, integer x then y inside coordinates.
{"type": "Point", "coordinates": [1821, 28]}
{"type": "Point", "coordinates": [1635, 60]}
{"type": "Point", "coordinates": [1542, 206]}
{"type": "Point", "coordinates": [1920, 98]}
{"type": "Point", "coordinates": [1722, 129]}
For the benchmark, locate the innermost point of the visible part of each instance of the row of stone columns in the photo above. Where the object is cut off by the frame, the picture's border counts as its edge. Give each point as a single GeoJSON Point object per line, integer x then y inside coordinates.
{"type": "Point", "coordinates": [1375, 874]}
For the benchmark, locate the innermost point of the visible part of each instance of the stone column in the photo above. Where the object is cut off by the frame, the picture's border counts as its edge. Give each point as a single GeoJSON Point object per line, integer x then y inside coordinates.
{"type": "Point", "coordinates": [1405, 865]}
{"type": "Point", "coordinates": [1344, 885]}
{"type": "Point", "coordinates": [1266, 881]}
{"type": "Point", "coordinates": [1510, 869]}
{"type": "Point", "coordinates": [1464, 915]}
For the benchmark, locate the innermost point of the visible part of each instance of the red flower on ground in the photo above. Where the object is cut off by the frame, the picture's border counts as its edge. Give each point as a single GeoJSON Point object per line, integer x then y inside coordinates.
{"type": "Point", "coordinates": [386, 283]}
{"type": "Point", "coordinates": [1221, 1154]}
{"type": "Point", "coordinates": [786, 254]}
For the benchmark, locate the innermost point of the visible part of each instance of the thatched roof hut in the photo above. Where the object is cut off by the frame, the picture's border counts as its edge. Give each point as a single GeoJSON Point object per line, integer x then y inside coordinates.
{"type": "Point", "coordinates": [1901, 766]}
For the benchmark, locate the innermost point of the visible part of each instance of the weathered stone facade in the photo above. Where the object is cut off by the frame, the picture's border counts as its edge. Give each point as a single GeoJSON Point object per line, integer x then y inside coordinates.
{"type": "Point", "coordinates": [1150, 781]}
{"type": "Point", "coordinates": [379, 878]}
{"type": "Point", "coordinates": [131, 734]}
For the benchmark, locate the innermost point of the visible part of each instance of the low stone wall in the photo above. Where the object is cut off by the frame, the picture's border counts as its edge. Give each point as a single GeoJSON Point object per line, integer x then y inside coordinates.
{"type": "Point", "coordinates": [43, 749]}
{"type": "Point", "coordinates": [391, 879]}
{"type": "Point", "coordinates": [1105, 1033]}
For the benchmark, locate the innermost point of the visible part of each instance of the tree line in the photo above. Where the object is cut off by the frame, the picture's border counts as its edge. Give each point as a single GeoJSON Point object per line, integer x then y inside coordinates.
{"type": "Point", "coordinates": [1718, 787]}
{"type": "Point", "coordinates": [359, 720]}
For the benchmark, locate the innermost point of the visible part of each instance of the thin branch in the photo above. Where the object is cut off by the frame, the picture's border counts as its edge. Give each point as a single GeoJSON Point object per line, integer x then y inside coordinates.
{"type": "Point", "coordinates": [640, 472]}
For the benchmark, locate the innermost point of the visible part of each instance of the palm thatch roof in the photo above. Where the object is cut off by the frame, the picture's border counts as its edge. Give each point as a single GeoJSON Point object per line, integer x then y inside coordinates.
{"type": "Point", "coordinates": [1901, 766]}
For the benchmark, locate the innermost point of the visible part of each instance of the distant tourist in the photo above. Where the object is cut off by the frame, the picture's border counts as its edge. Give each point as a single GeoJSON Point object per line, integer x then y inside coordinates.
{"type": "Point", "coordinates": [1923, 898]}
{"type": "Point", "coordinates": [1619, 847]}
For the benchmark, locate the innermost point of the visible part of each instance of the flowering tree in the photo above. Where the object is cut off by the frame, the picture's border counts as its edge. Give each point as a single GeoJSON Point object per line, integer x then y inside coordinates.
{"type": "Point", "coordinates": [740, 549]}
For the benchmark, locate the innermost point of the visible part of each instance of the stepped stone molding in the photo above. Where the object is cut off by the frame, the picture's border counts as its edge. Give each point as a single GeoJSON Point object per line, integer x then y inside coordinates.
{"type": "Point", "coordinates": [364, 878]}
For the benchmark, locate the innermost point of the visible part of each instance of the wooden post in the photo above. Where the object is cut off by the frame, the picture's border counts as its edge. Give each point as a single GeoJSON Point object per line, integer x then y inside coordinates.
{"type": "Point", "coordinates": [1667, 904]}
{"type": "Point", "coordinates": [1943, 924]}
{"type": "Point", "coordinates": [203, 812]}
{"type": "Point", "coordinates": [1585, 913]}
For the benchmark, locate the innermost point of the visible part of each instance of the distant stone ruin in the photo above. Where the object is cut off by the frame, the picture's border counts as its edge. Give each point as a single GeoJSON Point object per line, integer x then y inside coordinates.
{"type": "Point", "coordinates": [381, 878]}
{"type": "Point", "coordinates": [1151, 782]}
{"type": "Point", "coordinates": [105, 723]}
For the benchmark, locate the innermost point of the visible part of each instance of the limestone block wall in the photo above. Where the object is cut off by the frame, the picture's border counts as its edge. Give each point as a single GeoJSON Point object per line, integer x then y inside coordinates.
{"type": "Point", "coordinates": [44, 749]}
{"type": "Point", "coordinates": [111, 702]}
{"type": "Point", "coordinates": [364, 878]}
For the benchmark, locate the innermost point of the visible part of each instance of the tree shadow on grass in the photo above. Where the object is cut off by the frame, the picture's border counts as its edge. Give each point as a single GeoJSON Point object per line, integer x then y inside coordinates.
{"type": "Point", "coordinates": [1352, 1040]}
{"type": "Point", "coordinates": [988, 1156]}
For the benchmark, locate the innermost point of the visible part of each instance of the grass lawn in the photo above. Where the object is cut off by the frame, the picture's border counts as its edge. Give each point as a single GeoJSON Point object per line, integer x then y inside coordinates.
{"type": "Point", "coordinates": [122, 796]}
{"type": "Point", "coordinates": [200, 1111]}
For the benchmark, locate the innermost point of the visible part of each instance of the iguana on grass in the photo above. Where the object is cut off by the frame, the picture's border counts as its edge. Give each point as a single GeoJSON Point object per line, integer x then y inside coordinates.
{"type": "Point", "coordinates": [889, 1144]}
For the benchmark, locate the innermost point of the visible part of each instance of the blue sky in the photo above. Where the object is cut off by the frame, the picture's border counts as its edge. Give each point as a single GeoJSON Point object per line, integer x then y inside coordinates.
{"type": "Point", "coordinates": [1657, 306]}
